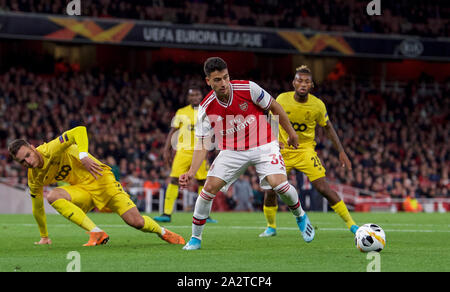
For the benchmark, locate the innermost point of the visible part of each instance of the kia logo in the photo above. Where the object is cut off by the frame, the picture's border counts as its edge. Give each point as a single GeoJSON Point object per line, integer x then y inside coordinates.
{"type": "Point", "coordinates": [411, 48]}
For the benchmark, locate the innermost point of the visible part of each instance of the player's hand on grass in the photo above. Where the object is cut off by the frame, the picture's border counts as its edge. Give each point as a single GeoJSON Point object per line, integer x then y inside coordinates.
{"type": "Point", "coordinates": [44, 240]}
{"type": "Point", "coordinates": [184, 180]}
{"type": "Point", "coordinates": [345, 162]}
{"type": "Point", "coordinates": [93, 167]}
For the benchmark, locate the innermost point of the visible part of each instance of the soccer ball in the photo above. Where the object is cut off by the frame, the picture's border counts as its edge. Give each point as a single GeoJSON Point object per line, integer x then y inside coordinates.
{"type": "Point", "coordinates": [370, 237]}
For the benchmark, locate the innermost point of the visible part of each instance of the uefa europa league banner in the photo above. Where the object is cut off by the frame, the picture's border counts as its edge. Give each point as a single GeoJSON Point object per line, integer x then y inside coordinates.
{"type": "Point", "coordinates": [156, 34]}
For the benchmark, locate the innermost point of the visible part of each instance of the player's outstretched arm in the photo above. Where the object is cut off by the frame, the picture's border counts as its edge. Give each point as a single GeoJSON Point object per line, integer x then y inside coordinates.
{"type": "Point", "coordinates": [37, 200]}
{"type": "Point", "coordinates": [276, 109]}
{"type": "Point", "coordinates": [78, 135]}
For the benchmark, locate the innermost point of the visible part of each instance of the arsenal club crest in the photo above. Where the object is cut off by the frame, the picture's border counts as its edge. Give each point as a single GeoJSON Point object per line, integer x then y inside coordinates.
{"type": "Point", "coordinates": [243, 106]}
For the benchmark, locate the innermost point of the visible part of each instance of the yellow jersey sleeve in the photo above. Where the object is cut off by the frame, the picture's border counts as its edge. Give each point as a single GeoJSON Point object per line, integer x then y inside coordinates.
{"type": "Point", "coordinates": [58, 145]}
{"type": "Point", "coordinates": [322, 117]}
{"type": "Point", "coordinates": [78, 135]}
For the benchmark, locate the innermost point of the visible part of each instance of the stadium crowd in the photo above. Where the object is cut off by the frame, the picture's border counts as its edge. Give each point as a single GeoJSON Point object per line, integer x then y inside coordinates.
{"type": "Point", "coordinates": [396, 137]}
{"type": "Point", "coordinates": [414, 17]}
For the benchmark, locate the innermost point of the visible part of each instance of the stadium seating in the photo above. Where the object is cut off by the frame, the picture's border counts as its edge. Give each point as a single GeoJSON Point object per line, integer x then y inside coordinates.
{"type": "Point", "coordinates": [395, 132]}
{"type": "Point", "coordinates": [424, 18]}
{"type": "Point", "coordinates": [395, 135]}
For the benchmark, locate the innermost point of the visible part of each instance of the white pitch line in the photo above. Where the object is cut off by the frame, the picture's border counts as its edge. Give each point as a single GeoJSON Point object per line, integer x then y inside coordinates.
{"type": "Point", "coordinates": [232, 227]}
{"type": "Point", "coordinates": [389, 224]}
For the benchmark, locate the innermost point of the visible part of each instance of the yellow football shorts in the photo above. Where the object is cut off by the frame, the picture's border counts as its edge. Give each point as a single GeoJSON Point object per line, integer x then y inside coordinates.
{"type": "Point", "coordinates": [305, 161]}
{"type": "Point", "coordinates": [104, 193]}
{"type": "Point", "coordinates": [181, 163]}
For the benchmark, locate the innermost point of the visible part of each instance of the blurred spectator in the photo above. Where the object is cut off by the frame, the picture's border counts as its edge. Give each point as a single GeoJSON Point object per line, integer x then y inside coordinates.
{"type": "Point", "coordinates": [309, 197]}
{"type": "Point", "coordinates": [111, 162]}
{"type": "Point", "coordinates": [412, 205]}
{"type": "Point", "coordinates": [152, 185]}
{"type": "Point", "coordinates": [243, 194]}
{"type": "Point", "coordinates": [229, 199]}
{"type": "Point", "coordinates": [258, 194]}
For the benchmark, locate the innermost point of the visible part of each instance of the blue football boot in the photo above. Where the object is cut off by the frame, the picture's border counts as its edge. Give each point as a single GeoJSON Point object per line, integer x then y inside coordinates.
{"type": "Point", "coordinates": [305, 227]}
{"type": "Point", "coordinates": [211, 220]}
{"type": "Point", "coordinates": [354, 228]}
{"type": "Point", "coordinates": [268, 232]}
{"type": "Point", "coordinates": [193, 244]}
{"type": "Point", "coordinates": [163, 218]}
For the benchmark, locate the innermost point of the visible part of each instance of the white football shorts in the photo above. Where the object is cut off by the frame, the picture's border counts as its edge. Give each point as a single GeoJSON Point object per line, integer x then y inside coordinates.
{"type": "Point", "coordinates": [229, 165]}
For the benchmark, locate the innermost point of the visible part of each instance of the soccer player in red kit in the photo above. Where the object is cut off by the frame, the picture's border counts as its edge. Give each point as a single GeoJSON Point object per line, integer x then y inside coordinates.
{"type": "Point", "coordinates": [234, 113]}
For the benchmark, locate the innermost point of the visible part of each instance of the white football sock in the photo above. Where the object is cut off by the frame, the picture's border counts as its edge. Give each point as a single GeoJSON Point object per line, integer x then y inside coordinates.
{"type": "Point", "coordinates": [201, 213]}
{"type": "Point", "coordinates": [289, 196]}
{"type": "Point", "coordinates": [96, 229]}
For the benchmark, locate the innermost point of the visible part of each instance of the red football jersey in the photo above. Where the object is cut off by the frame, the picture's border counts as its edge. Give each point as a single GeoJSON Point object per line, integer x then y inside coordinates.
{"type": "Point", "coordinates": [241, 124]}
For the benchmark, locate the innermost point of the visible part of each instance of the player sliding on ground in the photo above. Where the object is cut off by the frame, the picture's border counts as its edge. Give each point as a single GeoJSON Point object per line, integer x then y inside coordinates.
{"type": "Point", "coordinates": [305, 112]}
{"type": "Point", "coordinates": [234, 112]}
{"type": "Point", "coordinates": [91, 184]}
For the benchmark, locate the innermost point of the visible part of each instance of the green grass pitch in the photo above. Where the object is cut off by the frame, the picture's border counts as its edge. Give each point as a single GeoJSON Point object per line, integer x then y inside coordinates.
{"type": "Point", "coordinates": [415, 242]}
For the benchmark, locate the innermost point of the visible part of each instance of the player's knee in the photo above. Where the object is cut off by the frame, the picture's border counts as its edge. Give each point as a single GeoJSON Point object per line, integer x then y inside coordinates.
{"type": "Point", "coordinates": [275, 180]}
{"type": "Point", "coordinates": [207, 188]}
{"type": "Point", "coordinates": [210, 188]}
{"type": "Point", "coordinates": [213, 185]}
